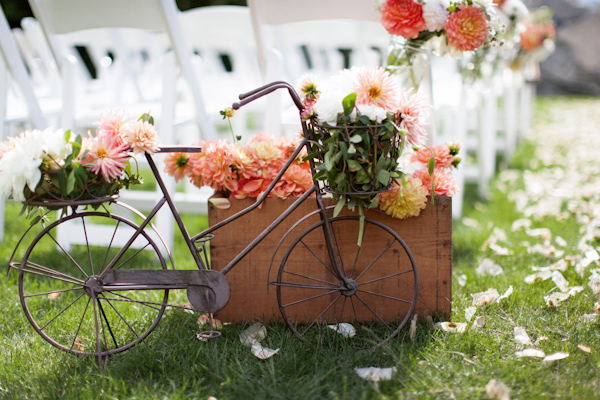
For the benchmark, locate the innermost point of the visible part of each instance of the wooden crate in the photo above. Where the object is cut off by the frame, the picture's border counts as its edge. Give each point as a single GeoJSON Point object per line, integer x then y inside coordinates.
{"type": "Point", "coordinates": [428, 236]}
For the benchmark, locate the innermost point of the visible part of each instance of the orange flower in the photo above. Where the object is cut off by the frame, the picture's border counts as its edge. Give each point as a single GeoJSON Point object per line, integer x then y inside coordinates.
{"type": "Point", "coordinates": [467, 28]}
{"type": "Point", "coordinates": [177, 165]}
{"type": "Point", "coordinates": [141, 136]}
{"type": "Point", "coordinates": [441, 153]}
{"type": "Point", "coordinates": [403, 18]}
{"type": "Point", "coordinates": [443, 181]}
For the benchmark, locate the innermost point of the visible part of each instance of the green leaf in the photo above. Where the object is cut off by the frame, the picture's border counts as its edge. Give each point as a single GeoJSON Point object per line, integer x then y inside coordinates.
{"type": "Point", "coordinates": [70, 182]}
{"type": "Point", "coordinates": [374, 202]}
{"type": "Point", "coordinates": [351, 149]}
{"type": "Point", "coordinates": [76, 146]}
{"type": "Point", "coordinates": [338, 207]}
{"type": "Point", "coordinates": [328, 160]}
{"type": "Point", "coordinates": [67, 135]}
{"type": "Point", "coordinates": [361, 225]}
{"type": "Point", "coordinates": [383, 177]}
{"type": "Point", "coordinates": [348, 103]}
{"type": "Point", "coordinates": [354, 165]}
{"type": "Point", "coordinates": [320, 175]}
{"type": "Point", "coordinates": [35, 220]}
{"type": "Point", "coordinates": [147, 118]}
{"type": "Point", "coordinates": [356, 139]}
{"type": "Point", "coordinates": [344, 150]}
{"type": "Point", "coordinates": [337, 157]}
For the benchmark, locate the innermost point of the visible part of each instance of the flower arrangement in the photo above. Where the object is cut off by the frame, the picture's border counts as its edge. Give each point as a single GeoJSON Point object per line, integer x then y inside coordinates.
{"type": "Point", "coordinates": [244, 171]}
{"type": "Point", "coordinates": [538, 36]}
{"type": "Point", "coordinates": [43, 168]}
{"type": "Point", "coordinates": [463, 25]}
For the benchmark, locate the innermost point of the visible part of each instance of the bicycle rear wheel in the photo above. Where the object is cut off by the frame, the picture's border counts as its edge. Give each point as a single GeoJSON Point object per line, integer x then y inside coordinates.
{"type": "Point", "coordinates": [62, 267]}
{"type": "Point", "coordinates": [382, 276]}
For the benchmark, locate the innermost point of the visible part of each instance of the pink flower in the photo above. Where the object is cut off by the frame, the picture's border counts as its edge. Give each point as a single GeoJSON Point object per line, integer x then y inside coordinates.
{"type": "Point", "coordinates": [112, 121]}
{"type": "Point", "coordinates": [413, 111]}
{"type": "Point", "coordinates": [534, 35]}
{"type": "Point", "coordinates": [106, 156]}
{"type": "Point", "coordinates": [441, 153]}
{"type": "Point", "coordinates": [467, 28]}
{"type": "Point", "coordinates": [403, 18]}
{"type": "Point", "coordinates": [245, 162]}
{"type": "Point", "coordinates": [251, 188]}
{"type": "Point", "coordinates": [374, 86]}
{"type": "Point", "coordinates": [269, 156]}
{"type": "Point", "coordinates": [443, 181]}
{"type": "Point", "coordinates": [294, 182]}
{"type": "Point", "coordinates": [141, 136]}
{"type": "Point", "coordinates": [177, 165]}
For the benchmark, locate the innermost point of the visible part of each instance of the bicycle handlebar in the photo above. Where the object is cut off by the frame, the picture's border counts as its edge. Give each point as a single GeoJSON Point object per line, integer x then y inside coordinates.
{"type": "Point", "coordinates": [257, 93]}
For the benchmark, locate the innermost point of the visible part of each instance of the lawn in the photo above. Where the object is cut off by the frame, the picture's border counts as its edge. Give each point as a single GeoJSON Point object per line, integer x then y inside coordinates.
{"type": "Point", "coordinates": [552, 181]}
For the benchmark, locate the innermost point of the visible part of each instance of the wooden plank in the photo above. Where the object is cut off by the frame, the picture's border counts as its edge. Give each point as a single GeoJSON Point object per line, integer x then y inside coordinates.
{"type": "Point", "coordinates": [428, 236]}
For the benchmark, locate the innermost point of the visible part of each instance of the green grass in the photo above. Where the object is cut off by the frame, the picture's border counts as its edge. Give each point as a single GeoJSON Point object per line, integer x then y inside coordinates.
{"type": "Point", "coordinates": [172, 364]}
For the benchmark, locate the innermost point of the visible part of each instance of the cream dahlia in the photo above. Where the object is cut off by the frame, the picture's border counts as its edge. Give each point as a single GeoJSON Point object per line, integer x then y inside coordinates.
{"type": "Point", "coordinates": [403, 202]}
{"type": "Point", "coordinates": [141, 137]}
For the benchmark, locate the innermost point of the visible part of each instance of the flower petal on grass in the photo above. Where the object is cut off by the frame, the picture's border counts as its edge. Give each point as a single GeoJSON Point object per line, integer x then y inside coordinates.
{"type": "Point", "coordinates": [499, 250]}
{"type": "Point", "coordinates": [461, 280]}
{"type": "Point", "coordinates": [479, 322]}
{"type": "Point", "coordinates": [555, 299]}
{"type": "Point", "coordinates": [470, 312]}
{"type": "Point", "coordinates": [497, 390]}
{"type": "Point", "coordinates": [508, 292]}
{"type": "Point", "coordinates": [455, 327]}
{"type": "Point", "coordinates": [520, 224]}
{"type": "Point", "coordinates": [521, 336]}
{"type": "Point", "coordinates": [262, 352]}
{"type": "Point", "coordinates": [375, 374]}
{"type": "Point", "coordinates": [412, 332]}
{"type": "Point", "coordinates": [544, 233]}
{"type": "Point", "coordinates": [345, 329]}
{"type": "Point", "coordinates": [254, 334]}
{"type": "Point", "coordinates": [589, 318]}
{"type": "Point", "coordinates": [485, 298]}
{"type": "Point", "coordinates": [531, 353]}
{"type": "Point", "coordinates": [53, 296]}
{"type": "Point", "coordinates": [560, 281]}
{"type": "Point", "coordinates": [561, 355]}
{"type": "Point", "coordinates": [489, 267]}
{"type": "Point", "coordinates": [584, 348]}
{"type": "Point", "coordinates": [538, 277]}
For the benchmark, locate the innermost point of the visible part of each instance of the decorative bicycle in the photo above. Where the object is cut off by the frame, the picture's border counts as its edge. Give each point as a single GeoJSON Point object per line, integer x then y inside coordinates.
{"type": "Point", "coordinates": [99, 300]}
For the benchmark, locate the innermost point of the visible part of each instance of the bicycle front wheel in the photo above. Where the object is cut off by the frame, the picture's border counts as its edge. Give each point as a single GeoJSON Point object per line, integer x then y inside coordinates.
{"type": "Point", "coordinates": [63, 265]}
{"type": "Point", "coordinates": [375, 288]}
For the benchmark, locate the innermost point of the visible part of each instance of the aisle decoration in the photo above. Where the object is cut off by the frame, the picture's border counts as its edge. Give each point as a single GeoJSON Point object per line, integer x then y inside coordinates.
{"type": "Point", "coordinates": [55, 168]}
{"type": "Point", "coordinates": [446, 27]}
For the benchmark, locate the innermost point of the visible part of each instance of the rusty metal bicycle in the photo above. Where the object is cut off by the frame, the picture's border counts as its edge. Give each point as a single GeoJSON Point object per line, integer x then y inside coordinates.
{"type": "Point", "coordinates": [99, 300]}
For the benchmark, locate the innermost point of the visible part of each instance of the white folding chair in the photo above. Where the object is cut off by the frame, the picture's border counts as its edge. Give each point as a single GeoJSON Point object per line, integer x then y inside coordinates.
{"type": "Point", "coordinates": [68, 21]}
{"type": "Point", "coordinates": [288, 33]}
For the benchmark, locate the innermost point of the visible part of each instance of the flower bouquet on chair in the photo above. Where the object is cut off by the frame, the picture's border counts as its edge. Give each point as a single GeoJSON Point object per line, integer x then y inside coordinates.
{"type": "Point", "coordinates": [361, 121]}
{"type": "Point", "coordinates": [59, 169]}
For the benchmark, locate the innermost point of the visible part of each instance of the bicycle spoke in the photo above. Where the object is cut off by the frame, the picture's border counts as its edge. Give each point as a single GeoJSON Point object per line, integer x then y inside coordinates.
{"type": "Point", "coordinates": [87, 243]}
{"type": "Point", "coordinates": [109, 247]}
{"type": "Point", "coordinates": [80, 323]}
{"type": "Point", "coordinates": [317, 257]}
{"type": "Point", "coordinates": [320, 315]}
{"type": "Point", "coordinates": [62, 311]}
{"type": "Point", "coordinates": [338, 251]}
{"type": "Point", "coordinates": [386, 277]}
{"type": "Point", "coordinates": [121, 316]}
{"type": "Point", "coordinates": [383, 295]}
{"type": "Point", "coordinates": [148, 304]}
{"type": "Point", "coordinates": [52, 292]}
{"type": "Point", "coordinates": [107, 325]}
{"type": "Point", "coordinates": [134, 254]}
{"type": "Point", "coordinates": [50, 273]}
{"type": "Point", "coordinates": [309, 298]}
{"type": "Point", "coordinates": [354, 309]}
{"type": "Point", "coordinates": [68, 255]}
{"type": "Point", "coordinates": [343, 306]}
{"type": "Point", "coordinates": [305, 286]}
{"type": "Point", "coordinates": [308, 277]}
{"type": "Point", "coordinates": [375, 260]}
{"type": "Point", "coordinates": [374, 313]}
{"type": "Point", "coordinates": [96, 327]}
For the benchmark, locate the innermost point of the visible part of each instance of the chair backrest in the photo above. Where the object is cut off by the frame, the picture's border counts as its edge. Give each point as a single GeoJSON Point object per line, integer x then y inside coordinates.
{"type": "Point", "coordinates": [341, 34]}
{"type": "Point", "coordinates": [14, 63]}
{"type": "Point", "coordinates": [59, 17]}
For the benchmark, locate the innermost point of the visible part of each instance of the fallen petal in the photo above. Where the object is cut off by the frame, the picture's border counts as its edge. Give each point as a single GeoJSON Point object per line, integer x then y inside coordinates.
{"type": "Point", "coordinates": [53, 295]}
{"type": "Point", "coordinates": [555, 357]}
{"type": "Point", "coordinates": [508, 292]}
{"type": "Point", "coordinates": [470, 313]}
{"type": "Point", "coordinates": [589, 318]}
{"type": "Point", "coordinates": [544, 233]}
{"type": "Point", "coordinates": [499, 250]}
{"type": "Point", "coordinates": [521, 336]}
{"type": "Point", "coordinates": [489, 267]}
{"type": "Point", "coordinates": [456, 327]}
{"type": "Point", "coordinates": [497, 390]}
{"type": "Point", "coordinates": [560, 241]}
{"type": "Point", "coordinates": [376, 374]}
{"type": "Point", "coordinates": [584, 348]}
{"type": "Point", "coordinates": [520, 224]}
{"type": "Point", "coordinates": [555, 299]}
{"type": "Point", "coordinates": [479, 322]}
{"type": "Point", "coordinates": [220, 202]}
{"type": "Point", "coordinates": [538, 277]}
{"type": "Point", "coordinates": [78, 344]}
{"type": "Point", "coordinates": [531, 353]}
{"type": "Point", "coordinates": [462, 280]}
{"type": "Point", "coordinates": [574, 290]}
{"type": "Point", "coordinates": [254, 334]}
{"type": "Point", "coordinates": [560, 281]}
{"type": "Point", "coordinates": [412, 332]}
{"type": "Point", "coordinates": [262, 352]}
{"type": "Point", "coordinates": [344, 329]}
{"type": "Point", "coordinates": [204, 319]}
{"type": "Point", "coordinates": [485, 298]}
{"type": "Point", "coordinates": [597, 307]}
